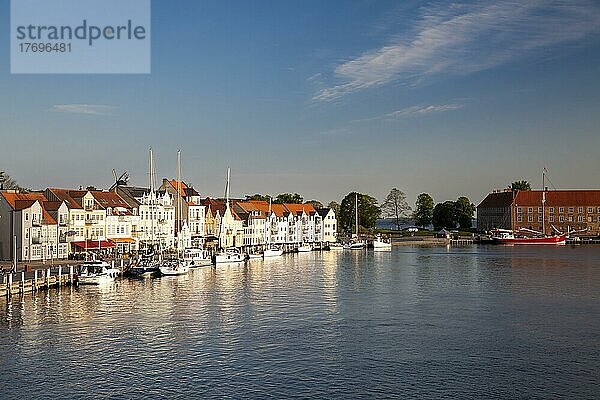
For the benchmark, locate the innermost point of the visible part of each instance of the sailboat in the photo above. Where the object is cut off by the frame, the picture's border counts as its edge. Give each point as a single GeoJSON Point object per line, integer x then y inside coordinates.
{"type": "Point", "coordinates": [355, 244]}
{"type": "Point", "coordinates": [271, 250]}
{"type": "Point", "coordinates": [146, 266]}
{"type": "Point", "coordinates": [176, 266]}
{"type": "Point", "coordinates": [529, 236]}
{"type": "Point", "coordinates": [232, 254]}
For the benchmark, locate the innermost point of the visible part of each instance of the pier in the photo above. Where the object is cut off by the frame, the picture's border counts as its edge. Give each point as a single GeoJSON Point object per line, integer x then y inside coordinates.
{"type": "Point", "coordinates": [30, 282]}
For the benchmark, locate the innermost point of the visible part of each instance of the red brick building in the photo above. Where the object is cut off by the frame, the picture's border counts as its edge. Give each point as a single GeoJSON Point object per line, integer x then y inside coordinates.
{"type": "Point", "coordinates": [564, 209]}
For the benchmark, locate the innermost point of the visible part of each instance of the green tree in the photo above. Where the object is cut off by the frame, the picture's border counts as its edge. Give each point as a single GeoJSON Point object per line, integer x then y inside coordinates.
{"type": "Point", "coordinates": [368, 212]}
{"type": "Point", "coordinates": [423, 214]}
{"type": "Point", "coordinates": [259, 197]}
{"type": "Point", "coordinates": [6, 182]}
{"type": "Point", "coordinates": [463, 212]}
{"type": "Point", "coordinates": [520, 185]}
{"type": "Point", "coordinates": [315, 203]}
{"type": "Point", "coordinates": [395, 206]}
{"type": "Point", "coordinates": [288, 198]}
{"type": "Point", "coordinates": [443, 215]}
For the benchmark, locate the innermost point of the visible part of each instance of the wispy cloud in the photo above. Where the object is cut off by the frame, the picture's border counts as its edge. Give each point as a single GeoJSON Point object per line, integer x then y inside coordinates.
{"type": "Point", "coordinates": [423, 110]}
{"type": "Point", "coordinates": [91, 109]}
{"type": "Point", "coordinates": [463, 38]}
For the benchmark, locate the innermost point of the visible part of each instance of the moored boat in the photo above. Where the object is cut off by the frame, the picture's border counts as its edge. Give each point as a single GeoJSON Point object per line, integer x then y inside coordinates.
{"type": "Point", "coordinates": [336, 246]}
{"type": "Point", "coordinates": [305, 248]}
{"type": "Point", "coordinates": [195, 257]}
{"type": "Point", "coordinates": [174, 267]}
{"type": "Point", "coordinates": [272, 252]}
{"type": "Point", "coordinates": [97, 273]}
{"type": "Point", "coordinates": [526, 237]}
{"type": "Point", "coordinates": [380, 244]}
{"type": "Point", "coordinates": [230, 255]}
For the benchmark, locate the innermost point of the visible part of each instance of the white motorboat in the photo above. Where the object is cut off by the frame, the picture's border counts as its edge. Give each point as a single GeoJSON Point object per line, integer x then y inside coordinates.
{"type": "Point", "coordinates": [230, 255]}
{"type": "Point", "coordinates": [336, 246]}
{"type": "Point", "coordinates": [305, 248]}
{"type": "Point", "coordinates": [380, 244]}
{"type": "Point", "coordinates": [174, 267]}
{"type": "Point", "coordinates": [195, 257]}
{"type": "Point", "coordinates": [254, 256]}
{"type": "Point", "coordinates": [272, 252]}
{"type": "Point", "coordinates": [357, 245]}
{"type": "Point", "coordinates": [97, 273]}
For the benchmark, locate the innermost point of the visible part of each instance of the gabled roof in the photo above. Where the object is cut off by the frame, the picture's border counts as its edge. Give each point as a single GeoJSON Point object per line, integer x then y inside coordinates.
{"type": "Point", "coordinates": [297, 209]}
{"type": "Point", "coordinates": [12, 197]}
{"type": "Point", "coordinates": [323, 211]}
{"type": "Point", "coordinates": [109, 199]}
{"type": "Point", "coordinates": [52, 205]}
{"type": "Point", "coordinates": [497, 200]}
{"type": "Point", "coordinates": [23, 204]}
{"type": "Point", "coordinates": [65, 195]}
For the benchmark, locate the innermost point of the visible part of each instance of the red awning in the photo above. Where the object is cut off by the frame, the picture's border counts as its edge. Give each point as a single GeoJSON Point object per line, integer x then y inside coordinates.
{"type": "Point", "coordinates": [93, 244]}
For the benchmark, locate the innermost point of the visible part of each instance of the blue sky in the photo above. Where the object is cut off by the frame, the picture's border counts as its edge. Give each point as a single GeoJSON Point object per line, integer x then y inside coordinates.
{"type": "Point", "coordinates": [326, 97]}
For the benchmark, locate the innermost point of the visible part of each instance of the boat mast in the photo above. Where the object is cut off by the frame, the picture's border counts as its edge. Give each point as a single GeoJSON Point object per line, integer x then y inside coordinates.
{"type": "Point", "coordinates": [151, 195]}
{"type": "Point", "coordinates": [270, 223]}
{"type": "Point", "coordinates": [179, 200]}
{"type": "Point", "coordinates": [356, 213]}
{"type": "Point", "coordinates": [543, 200]}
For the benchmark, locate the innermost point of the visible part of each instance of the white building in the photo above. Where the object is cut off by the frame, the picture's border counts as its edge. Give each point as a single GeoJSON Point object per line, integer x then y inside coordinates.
{"type": "Point", "coordinates": [328, 225]}
{"type": "Point", "coordinates": [192, 219]}
{"type": "Point", "coordinates": [35, 231]}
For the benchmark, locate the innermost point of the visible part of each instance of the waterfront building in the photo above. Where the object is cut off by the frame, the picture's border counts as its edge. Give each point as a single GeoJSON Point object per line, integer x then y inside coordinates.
{"type": "Point", "coordinates": [34, 229]}
{"type": "Point", "coordinates": [254, 221]}
{"type": "Point", "coordinates": [328, 225]}
{"type": "Point", "coordinates": [225, 224]}
{"type": "Point", "coordinates": [156, 211]}
{"type": "Point", "coordinates": [193, 213]}
{"type": "Point", "coordinates": [567, 210]}
{"type": "Point", "coordinates": [121, 220]}
{"type": "Point", "coordinates": [87, 219]}
{"type": "Point", "coordinates": [303, 221]}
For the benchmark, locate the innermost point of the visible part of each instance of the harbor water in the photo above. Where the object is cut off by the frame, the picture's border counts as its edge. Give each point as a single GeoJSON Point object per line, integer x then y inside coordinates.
{"type": "Point", "coordinates": [414, 322]}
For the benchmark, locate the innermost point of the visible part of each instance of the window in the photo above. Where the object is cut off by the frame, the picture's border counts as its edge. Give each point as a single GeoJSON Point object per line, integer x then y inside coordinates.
{"type": "Point", "coordinates": [590, 210]}
{"type": "Point", "coordinates": [530, 218]}
{"type": "Point", "coordinates": [540, 210]}
{"type": "Point", "coordinates": [551, 210]}
{"type": "Point", "coordinates": [580, 210]}
{"type": "Point", "coordinates": [580, 218]}
{"type": "Point", "coordinates": [551, 218]}
{"type": "Point", "coordinates": [529, 209]}
{"type": "Point", "coordinates": [519, 210]}
{"type": "Point", "coordinates": [571, 210]}
{"type": "Point", "coordinates": [561, 218]}
{"type": "Point", "coordinates": [570, 218]}
{"type": "Point", "coordinates": [539, 218]}
{"type": "Point", "coordinates": [26, 216]}
{"type": "Point", "coordinates": [561, 209]}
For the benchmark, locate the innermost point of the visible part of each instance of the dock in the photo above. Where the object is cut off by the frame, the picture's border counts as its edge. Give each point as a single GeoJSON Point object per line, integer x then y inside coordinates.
{"type": "Point", "coordinates": [44, 279]}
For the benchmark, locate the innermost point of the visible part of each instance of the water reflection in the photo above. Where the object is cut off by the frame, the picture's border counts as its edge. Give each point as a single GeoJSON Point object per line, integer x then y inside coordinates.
{"type": "Point", "coordinates": [413, 322]}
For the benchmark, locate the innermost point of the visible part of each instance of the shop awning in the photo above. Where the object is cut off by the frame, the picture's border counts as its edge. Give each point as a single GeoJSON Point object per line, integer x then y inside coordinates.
{"type": "Point", "coordinates": [93, 244]}
{"type": "Point", "coordinates": [123, 240]}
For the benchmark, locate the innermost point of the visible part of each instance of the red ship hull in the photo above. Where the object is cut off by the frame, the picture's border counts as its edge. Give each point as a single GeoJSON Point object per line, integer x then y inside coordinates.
{"type": "Point", "coordinates": [556, 240]}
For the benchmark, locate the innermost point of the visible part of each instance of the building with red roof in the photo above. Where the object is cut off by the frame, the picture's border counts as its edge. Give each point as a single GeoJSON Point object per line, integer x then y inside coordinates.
{"type": "Point", "coordinates": [563, 210]}
{"type": "Point", "coordinates": [31, 222]}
